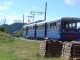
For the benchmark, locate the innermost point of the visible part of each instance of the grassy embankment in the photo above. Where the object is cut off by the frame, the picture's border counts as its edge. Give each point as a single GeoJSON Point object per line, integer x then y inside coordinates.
{"type": "Point", "coordinates": [15, 49]}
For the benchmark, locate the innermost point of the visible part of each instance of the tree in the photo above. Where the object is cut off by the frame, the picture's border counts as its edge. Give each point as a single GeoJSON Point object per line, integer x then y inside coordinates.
{"type": "Point", "coordinates": [18, 34]}
{"type": "Point", "coordinates": [3, 29]}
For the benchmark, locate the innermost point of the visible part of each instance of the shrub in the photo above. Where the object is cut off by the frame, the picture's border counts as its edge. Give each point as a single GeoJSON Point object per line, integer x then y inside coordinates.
{"type": "Point", "coordinates": [18, 34]}
{"type": "Point", "coordinates": [3, 29]}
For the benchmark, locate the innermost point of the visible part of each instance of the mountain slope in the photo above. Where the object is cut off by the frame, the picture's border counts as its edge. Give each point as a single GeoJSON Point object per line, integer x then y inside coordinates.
{"type": "Point", "coordinates": [13, 27]}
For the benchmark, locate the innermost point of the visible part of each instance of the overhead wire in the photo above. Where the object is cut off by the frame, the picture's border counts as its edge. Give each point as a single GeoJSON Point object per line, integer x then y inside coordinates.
{"type": "Point", "coordinates": [49, 8]}
{"type": "Point", "coordinates": [40, 7]}
{"type": "Point", "coordinates": [55, 6]}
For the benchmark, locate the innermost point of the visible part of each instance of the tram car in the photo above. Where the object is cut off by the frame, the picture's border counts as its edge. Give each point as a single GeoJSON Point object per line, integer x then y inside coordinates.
{"type": "Point", "coordinates": [65, 28]}
{"type": "Point", "coordinates": [41, 30]}
{"type": "Point", "coordinates": [24, 31]}
{"type": "Point", "coordinates": [31, 29]}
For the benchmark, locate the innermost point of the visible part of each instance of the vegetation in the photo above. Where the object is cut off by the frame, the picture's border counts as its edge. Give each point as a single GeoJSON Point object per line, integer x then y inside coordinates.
{"type": "Point", "coordinates": [13, 27]}
{"type": "Point", "coordinates": [3, 29]}
{"type": "Point", "coordinates": [16, 49]}
{"type": "Point", "coordinates": [18, 34]}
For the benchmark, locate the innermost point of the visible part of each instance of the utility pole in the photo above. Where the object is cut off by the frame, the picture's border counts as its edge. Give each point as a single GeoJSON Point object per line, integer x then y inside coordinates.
{"type": "Point", "coordinates": [4, 21]}
{"type": "Point", "coordinates": [33, 12]}
{"type": "Point", "coordinates": [45, 11]}
{"type": "Point", "coordinates": [23, 23]}
{"type": "Point", "coordinates": [23, 19]}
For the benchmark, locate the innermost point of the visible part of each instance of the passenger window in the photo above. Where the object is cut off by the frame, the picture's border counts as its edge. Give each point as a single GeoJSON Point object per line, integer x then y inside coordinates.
{"type": "Point", "coordinates": [54, 25]}
{"type": "Point", "coordinates": [51, 26]}
{"type": "Point", "coordinates": [48, 25]}
{"type": "Point", "coordinates": [31, 28]}
{"type": "Point", "coordinates": [40, 27]}
{"type": "Point", "coordinates": [69, 25]}
{"type": "Point", "coordinates": [24, 29]}
{"type": "Point", "coordinates": [74, 24]}
{"type": "Point", "coordinates": [78, 25]}
{"type": "Point", "coordinates": [37, 27]}
{"type": "Point", "coordinates": [43, 26]}
{"type": "Point", "coordinates": [58, 25]}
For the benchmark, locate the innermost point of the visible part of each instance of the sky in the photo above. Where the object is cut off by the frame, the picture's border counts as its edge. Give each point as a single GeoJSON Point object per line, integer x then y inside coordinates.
{"type": "Point", "coordinates": [14, 9]}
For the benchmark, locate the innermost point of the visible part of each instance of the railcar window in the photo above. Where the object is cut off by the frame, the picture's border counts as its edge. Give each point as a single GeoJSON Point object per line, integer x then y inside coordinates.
{"type": "Point", "coordinates": [78, 25]}
{"type": "Point", "coordinates": [54, 25]}
{"type": "Point", "coordinates": [68, 24]}
{"type": "Point", "coordinates": [51, 26]}
{"type": "Point", "coordinates": [31, 28]}
{"type": "Point", "coordinates": [58, 25]}
{"type": "Point", "coordinates": [72, 25]}
{"type": "Point", "coordinates": [24, 29]}
{"type": "Point", "coordinates": [48, 25]}
{"type": "Point", "coordinates": [40, 27]}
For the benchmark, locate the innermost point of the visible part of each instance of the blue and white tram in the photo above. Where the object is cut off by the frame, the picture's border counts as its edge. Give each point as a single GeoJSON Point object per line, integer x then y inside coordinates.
{"type": "Point", "coordinates": [24, 31]}
{"type": "Point", "coordinates": [65, 28]}
{"type": "Point", "coordinates": [70, 28]}
{"type": "Point", "coordinates": [31, 31]}
{"type": "Point", "coordinates": [41, 30]}
{"type": "Point", "coordinates": [53, 29]}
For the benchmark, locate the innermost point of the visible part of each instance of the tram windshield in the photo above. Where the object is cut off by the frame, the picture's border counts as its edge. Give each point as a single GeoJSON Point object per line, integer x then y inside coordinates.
{"type": "Point", "coordinates": [78, 25]}
{"type": "Point", "coordinates": [71, 24]}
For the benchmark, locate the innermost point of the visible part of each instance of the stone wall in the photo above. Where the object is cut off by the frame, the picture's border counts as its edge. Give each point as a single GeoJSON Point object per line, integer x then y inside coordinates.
{"type": "Point", "coordinates": [65, 50]}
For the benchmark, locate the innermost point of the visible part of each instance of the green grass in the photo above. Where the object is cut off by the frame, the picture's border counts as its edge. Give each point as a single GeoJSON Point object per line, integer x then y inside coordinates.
{"type": "Point", "coordinates": [15, 49]}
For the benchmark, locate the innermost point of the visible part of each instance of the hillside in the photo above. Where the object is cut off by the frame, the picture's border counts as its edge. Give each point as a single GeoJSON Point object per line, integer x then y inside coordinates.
{"type": "Point", "coordinates": [13, 27]}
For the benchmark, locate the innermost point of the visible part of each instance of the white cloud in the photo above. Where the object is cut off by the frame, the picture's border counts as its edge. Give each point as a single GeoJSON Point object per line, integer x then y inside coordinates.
{"type": "Point", "coordinates": [1, 14]}
{"type": "Point", "coordinates": [19, 18]}
{"type": "Point", "coordinates": [72, 2]}
{"type": "Point", "coordinates": [12, 16]}
{"type": "Point", "coordinates": [2, 17]}
{"type": "Point", "coordinates": [10, 19]}
{"type": "Point", "coordinates": [4, 7]}
{"type": "Point", "coordinates": [35, 7]}
{"type": "Point", "coordinates": [7, 3]}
